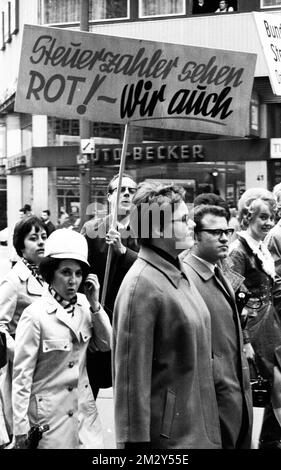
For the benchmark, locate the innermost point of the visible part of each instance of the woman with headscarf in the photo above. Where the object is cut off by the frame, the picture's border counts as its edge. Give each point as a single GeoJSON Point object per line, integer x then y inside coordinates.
{"type": "Point", "coordinates": [50, 381]}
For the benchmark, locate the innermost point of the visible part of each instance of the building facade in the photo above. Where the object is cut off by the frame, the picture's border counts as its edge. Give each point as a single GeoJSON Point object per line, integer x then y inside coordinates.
{"type": "Point", "coordinates": [38, 153]}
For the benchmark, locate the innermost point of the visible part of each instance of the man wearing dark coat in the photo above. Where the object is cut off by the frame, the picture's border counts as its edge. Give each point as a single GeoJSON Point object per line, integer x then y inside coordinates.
{"type": "Point", "coordinates": [100, 234]}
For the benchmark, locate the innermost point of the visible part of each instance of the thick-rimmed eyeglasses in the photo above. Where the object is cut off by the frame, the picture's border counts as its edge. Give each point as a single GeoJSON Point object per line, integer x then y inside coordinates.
{"type": "Point", "coordinates": [218, 232]}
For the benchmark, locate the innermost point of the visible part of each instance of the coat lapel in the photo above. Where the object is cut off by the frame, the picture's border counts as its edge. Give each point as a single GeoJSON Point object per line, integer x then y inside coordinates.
{"type": "Point", "coordinates": [205, 273]}
{"type": "Point", "coordinates": [33, 286]}
{"type": "Point", "coordinates": [54, 307]}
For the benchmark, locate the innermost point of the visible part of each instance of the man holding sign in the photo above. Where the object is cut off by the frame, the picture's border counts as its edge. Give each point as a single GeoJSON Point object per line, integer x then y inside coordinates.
{"type": "Point", "coordinates": [100, 234]}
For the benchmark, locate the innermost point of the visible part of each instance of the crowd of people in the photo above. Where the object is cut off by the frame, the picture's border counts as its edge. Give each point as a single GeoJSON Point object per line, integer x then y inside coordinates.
{"type": "Point", "coordinates": [189, 314]}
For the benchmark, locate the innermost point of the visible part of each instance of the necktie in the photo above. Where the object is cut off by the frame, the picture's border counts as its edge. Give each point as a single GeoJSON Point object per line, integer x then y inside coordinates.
{"type": "Point", "coordinates": [220, 277]}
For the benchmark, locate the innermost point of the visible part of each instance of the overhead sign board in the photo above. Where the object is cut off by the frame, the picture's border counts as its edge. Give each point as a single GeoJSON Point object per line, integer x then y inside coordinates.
{"type": "Point", "coordinates": [74, 74]}
{"type": "Point", "coordinates": [269, 29]}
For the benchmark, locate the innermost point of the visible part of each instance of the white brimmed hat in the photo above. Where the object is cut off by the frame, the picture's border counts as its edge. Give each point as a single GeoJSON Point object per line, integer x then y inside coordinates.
{"type": "Point", "coordinates": [67, 244]}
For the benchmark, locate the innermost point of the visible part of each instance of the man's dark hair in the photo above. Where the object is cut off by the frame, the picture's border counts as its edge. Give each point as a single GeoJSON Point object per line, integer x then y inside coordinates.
{"type": "Point", "coordinates": [200, 211]}
{"type": "Point", "coordinates": [114, 178]}
{"type": "Point", "coordinates": [212, 199]}
{"type": "Point", "coordinates": [49, 265]}
{"type": "Point", "coordinates": [153, 202]}
{"type": "Point", "coordinates": [22, 229]}
{"type": "Point", "coordinates": [47, 212]}
{"type": "Point", "coordinates": [27, 207]}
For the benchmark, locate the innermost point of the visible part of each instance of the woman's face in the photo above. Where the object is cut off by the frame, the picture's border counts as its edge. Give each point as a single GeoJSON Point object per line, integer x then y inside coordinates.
{"type": "Point", "coordinates": [34, 244]}
{"type": "Point", "coordinates": [261, 222]}
{"type": "Point", "coordinates": [67, 278]}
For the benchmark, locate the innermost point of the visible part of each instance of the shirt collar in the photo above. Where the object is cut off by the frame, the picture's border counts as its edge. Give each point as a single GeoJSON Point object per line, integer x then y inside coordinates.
{"type": "Point", "coordinates": [174, 261]}
{"type": "Point", "coordinates": [168, 269]}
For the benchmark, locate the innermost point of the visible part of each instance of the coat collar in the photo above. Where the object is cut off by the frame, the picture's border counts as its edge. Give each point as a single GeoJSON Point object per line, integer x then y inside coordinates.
{"type": "Point", "coordinates": [171, 272]}
{"type": "Point", "coordinates": [33, 286]}
{"type": "Point", "coordinates": [201, 268]}
{"type": "Point", "coordinates": [205, 273]}
{"type": "Point", "coordinates": [52, 306]}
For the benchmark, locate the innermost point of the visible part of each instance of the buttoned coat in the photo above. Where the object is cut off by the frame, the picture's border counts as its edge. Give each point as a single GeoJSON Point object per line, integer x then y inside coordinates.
{"type": "Point", "coordinates": [50, 382]}
{"type": "Point", "coordinates": [162, 365]}
{"type": "Point", "coordinates": [231, 370]}
{"type": "Point", "coordinates": [17, 290]}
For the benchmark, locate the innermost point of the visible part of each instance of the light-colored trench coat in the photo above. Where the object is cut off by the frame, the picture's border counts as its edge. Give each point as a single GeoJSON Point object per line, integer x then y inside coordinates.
{"type": "Point", "coordinates": [50, 382]}
{"type": "Point", "coordinates": [17, 290]}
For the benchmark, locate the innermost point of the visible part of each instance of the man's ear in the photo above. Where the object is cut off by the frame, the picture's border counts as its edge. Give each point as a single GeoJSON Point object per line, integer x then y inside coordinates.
{"type": "Point", "coordinates": [196, 237]}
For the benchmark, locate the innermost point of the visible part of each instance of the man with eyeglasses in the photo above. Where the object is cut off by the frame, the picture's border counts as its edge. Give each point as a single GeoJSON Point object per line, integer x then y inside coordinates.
{"type": "Point", "coordinates": [164, 393]}
{"type": "Point", "coordinates": [230, 367]}
{"type": "Point", "coordinates": [100, 234]}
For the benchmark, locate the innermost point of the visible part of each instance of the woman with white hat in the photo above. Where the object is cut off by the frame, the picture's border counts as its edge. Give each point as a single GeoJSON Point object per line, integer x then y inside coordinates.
{"type": "Point", "coordinates": [50, 382]}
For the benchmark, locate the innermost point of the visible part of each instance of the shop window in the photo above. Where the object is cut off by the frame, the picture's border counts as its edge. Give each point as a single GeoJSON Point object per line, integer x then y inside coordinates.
{"type": "Point", "coordinates": [68, 11]}
{"type": "Point", "coordinates": [66, 131]}
{"type": "Point", "coordinates": [270, 3]}
{"type": "Point", "coordinates": [160, 8]}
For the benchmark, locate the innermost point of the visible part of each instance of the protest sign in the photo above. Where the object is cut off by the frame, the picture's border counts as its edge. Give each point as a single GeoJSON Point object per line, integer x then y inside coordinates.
{"type": "Point", "coordinates": [73, 74]}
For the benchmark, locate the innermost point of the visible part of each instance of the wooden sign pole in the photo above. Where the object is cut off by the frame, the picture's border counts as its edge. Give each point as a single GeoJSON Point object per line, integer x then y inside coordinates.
{"type": "Point", "coordinates": [115, 212]}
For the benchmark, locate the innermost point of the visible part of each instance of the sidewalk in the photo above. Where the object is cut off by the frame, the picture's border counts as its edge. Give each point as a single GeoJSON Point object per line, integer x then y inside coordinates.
{"type": "Point", "coordinates": [105, 408]}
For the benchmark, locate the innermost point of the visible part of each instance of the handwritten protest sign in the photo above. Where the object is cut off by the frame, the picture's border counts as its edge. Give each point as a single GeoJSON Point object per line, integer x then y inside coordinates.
{"type": "Point", "coordinates": [72, 74]}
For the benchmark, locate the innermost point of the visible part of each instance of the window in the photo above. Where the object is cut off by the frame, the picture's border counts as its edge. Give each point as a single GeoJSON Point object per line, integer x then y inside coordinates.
{"type": "Point", "coordinates": [160, 8]}
{"type": "Point", "coordinates": [66, 131]}
{"type": "Point", "coordinates": [68, 11]}
{"type": "Point", "coordinates": [108, 9]}
{"type": "Point", "coordinates": [270, 3]}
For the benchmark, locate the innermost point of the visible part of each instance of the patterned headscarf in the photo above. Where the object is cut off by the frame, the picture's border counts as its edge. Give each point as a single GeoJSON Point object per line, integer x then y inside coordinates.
{"type": "Point", "coordinates": [68, 305]}
{"type": "Point", "coordinates": [34, 270]}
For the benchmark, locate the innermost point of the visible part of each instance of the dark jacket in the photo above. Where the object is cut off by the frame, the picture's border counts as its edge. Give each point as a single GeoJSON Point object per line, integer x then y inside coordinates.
{"type": "Point", "coordinates": [262, 326]}
{"type": "Point", "coordinates": [99, 363]}
{"type": "Point", "coordinates": [230, 366]}
{"type": "Point", "coordinates": [49, 226]}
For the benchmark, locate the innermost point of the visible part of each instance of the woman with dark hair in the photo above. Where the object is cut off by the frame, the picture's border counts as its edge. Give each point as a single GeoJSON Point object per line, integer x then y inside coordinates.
{"type": "Point", "coordinates": [50, 381]}
{"type": "Point", "coordinates": [22, 286]}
